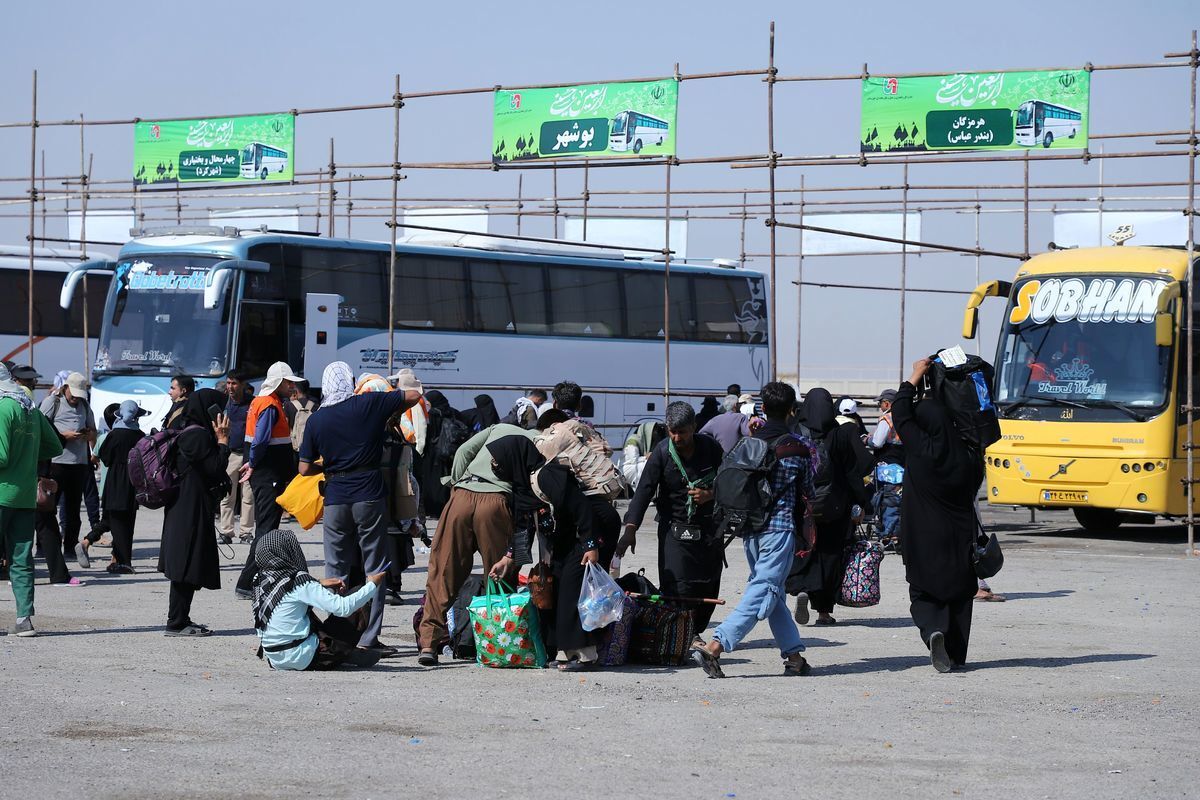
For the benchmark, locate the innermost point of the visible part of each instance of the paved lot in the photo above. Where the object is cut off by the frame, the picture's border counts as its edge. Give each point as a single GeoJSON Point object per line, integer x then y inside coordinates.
{"type": "Point", "coordinates": [1082, 685]}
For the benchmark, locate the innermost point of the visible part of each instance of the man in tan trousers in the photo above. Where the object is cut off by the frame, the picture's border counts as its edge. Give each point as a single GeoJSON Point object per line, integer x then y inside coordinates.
{"type": "Point", "coordinates": [477, 519]}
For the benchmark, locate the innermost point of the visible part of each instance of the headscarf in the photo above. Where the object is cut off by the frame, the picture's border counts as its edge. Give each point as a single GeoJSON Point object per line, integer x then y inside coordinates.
{"type": "Point", "coordinates": [644, 437]}
{"type": "Point", "coordinates": [337, 384]}
{"type": "Point", "coordinates": [127, 416]}
{"type": "Point", "coordinates": [438, 402]}
{"type": "Point", "coordinates": [483, 415]}
{"type": "Point", "coordinates": [195, 409]}
{"type": "Point", "coordinates": [371, 382]}
{"type": "Point", "coordinates": [820, 416]}
{"type": "Point", "coordinates": [14, 391]}
{"type": "Point", "coordinates": [60, 378]}
{"type": "Point", "coordinates": [516, 458]}
{"type": "Point", "coordinates": [281, 568]}
{"type": "Point", "coordinates": [708, 410]}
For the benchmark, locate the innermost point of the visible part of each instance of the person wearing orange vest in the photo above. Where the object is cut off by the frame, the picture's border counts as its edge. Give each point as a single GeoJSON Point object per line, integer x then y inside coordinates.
{"type": "Point", "coordinates": [269, 464]}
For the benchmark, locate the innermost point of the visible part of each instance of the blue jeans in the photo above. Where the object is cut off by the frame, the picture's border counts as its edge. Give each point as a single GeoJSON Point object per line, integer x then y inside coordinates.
{"type": "Point", "coordinates": [770, 557]}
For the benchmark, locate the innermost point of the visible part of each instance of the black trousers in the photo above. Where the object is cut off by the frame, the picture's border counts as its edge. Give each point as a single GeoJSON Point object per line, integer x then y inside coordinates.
{"type": "Point", "coordinates": [121, 525]}
{"type": "Point", "coordinates": [179, 609]}
{"type": "Point", "coordinates": [71, 478]}
{"type": "Point", "coordinates": [952, 619]}
{"type": "Point", "coordinates": [49, 541]}
{"type": "Point", "coordinates": [91, 500]}
{"type": "Point", "coordinates": [691, 569]}
{"type": "Point", "coordinates": [267, 484]}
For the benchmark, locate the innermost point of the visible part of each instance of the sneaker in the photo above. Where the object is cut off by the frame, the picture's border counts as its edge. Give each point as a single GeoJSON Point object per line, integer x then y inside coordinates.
{"type": "Point", "coordinates": [72, 582]}
{"type": "Point", "coordinates": [81, 556]}
{"type": "Point", "coordinates": [246, 538]}
{"type": "Point", "coordinates": [427, 658]}
{"type": "Point", "coordinates": [801, 615]}
{"type": "Point", "coordinates": [937, 652]}
{"type": "Point", "coordinates": [23, 627]}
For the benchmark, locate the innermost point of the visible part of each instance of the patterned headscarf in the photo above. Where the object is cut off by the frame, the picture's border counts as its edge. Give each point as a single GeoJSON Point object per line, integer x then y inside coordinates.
{"type": "Point", "coordinates": [371, 382]}
{"type": "Point", "coordinates": [14, 391]}
{"type": "Point", "coordinates": [337, 384]}
{"type": "Point", "coordinates": [281, 568]}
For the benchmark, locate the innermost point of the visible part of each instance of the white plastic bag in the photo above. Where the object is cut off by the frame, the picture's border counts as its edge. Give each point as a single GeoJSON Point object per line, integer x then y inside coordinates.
{"type": "Point", "coordinates": [601, 600]}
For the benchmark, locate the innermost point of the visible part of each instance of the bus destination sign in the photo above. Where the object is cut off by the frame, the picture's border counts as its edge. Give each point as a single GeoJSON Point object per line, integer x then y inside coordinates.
{"type": "Point", "coordinates": [976, 111]}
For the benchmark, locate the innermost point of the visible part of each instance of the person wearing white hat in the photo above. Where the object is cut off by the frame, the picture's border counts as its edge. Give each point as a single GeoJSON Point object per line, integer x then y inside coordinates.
{"type": "Point", "coordinates": [269, 461]}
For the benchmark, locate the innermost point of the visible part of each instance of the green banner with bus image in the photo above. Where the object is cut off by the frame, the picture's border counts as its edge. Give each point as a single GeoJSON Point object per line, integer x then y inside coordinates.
{"type": "Point", "coordinates": [976, 111]}
{"type": "Point", "coordinates": [250, 149]}
{"type": "Point", "coordinates": [606, 120]}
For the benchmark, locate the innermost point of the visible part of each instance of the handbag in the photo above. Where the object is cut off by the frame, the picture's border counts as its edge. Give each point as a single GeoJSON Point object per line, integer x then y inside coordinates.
{"type": "Point", "coordinates": [661, 634]}
{"type": "Point", "coordinates": [541, 586]}
{"type": "Point", "coordinates": [507, 628]}
{"type": "Point", "coordinates": [612, 643]}
{"type": "Point", "coordinates": [47, 495]}
{"type": "Point", "coordinates": [986, 555]}
{"type": "Point", "coordinates": [860, 584]}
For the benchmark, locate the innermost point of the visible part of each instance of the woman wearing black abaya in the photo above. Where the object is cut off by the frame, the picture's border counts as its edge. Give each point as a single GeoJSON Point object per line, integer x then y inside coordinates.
{"type": "Point", "coordinates": [188, 555]}
{"type": "Point", "coordinates": [937, 523]}
{"type": "Point", "coordinates": [428, 468]}
{"type": "Point", "coordinates": [483, 415]}
{"type": "Point", "coordinates": [573, 543]}
{"type": "Point", "coordinates": [817, 577]}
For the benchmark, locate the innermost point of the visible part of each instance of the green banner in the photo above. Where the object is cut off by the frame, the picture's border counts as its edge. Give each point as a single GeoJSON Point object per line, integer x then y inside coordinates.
{"type": "Point", "coordinates": [607, 120]}
{"type": "Point", "coordinates": [976, 111]}
{"type": "Point", "coordinates": [229, 149]}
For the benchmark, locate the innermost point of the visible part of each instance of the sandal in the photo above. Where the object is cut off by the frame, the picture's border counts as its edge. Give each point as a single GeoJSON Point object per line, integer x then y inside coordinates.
{"type": "Point", "coordinates": [830, 621]}
{"type": "Point", "coordinates": [575, 665]}
{"type": "Point", "coordinates": [190, 630]}
{"type": "Point", "coordinates": [795, 668]}
{"type": "Point", "coordinates": [707, 662]}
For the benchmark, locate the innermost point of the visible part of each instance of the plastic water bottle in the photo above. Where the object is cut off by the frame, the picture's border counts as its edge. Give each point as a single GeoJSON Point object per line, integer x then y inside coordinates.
{"type": "Point", "coordinates": [614, 567]}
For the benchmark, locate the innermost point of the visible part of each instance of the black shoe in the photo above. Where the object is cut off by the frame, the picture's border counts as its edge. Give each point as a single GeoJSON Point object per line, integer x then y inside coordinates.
{"type": "Point", "coordinates": [244, 594]}
{"type": "Point", "coordinates": [362, 658]}
{"type": "Point", "coordinates": [384, 650]}
{"type": "Point", "coordinates": [394, 598]}
{"type": "Point", "coordinates": [427, 658]}
{"type": "Point", "coordinates": [937, 652]}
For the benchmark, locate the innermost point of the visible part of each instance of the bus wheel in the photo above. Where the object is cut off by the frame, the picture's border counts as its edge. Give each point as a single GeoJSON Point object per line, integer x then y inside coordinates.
{"type": "Point", "coordinates": [637, 147]}
{"type": "Point", "coordinates": [1048, 139]}
{"type": "Point", "coordinates": [263, 174]}
{"type": "Point", "coordinates": [1099, 519]}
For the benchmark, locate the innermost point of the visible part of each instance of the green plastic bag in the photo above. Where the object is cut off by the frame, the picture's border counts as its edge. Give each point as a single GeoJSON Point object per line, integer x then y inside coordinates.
{"type": "Point", "coordinates": [507, 630]}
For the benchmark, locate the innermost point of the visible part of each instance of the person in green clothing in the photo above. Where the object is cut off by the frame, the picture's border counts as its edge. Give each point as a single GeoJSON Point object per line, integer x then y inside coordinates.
{"type": "Point", "coordinates": [476, 519]}
{"type": "Point", "coordinates": [26, 438]}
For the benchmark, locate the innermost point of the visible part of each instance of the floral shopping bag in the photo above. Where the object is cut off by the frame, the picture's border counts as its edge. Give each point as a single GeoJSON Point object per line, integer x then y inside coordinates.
{"type": "Point", "coordinates": [507, 633]}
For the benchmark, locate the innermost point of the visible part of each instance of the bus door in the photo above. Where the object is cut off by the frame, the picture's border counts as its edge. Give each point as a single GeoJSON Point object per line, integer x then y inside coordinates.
{"type": "Point", "coordinates": [262, 335]}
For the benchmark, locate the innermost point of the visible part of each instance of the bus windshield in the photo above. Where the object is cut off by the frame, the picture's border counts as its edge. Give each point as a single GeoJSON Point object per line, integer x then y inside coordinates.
{"type": "Point", "coordinates": [248, 154]}
{"type": "Point", "coordinates": [155, 321]}
{"type": "Point", "coordinates": [619, 122]}
{"type": "Point", "coordinates": [1025, 114]}
{"type": "Point", "coordinates": [1083, 342]}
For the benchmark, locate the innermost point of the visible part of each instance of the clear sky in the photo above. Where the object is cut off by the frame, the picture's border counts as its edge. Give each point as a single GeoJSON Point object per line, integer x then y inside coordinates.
{"type": "Point", "coordinates": [170, 60]}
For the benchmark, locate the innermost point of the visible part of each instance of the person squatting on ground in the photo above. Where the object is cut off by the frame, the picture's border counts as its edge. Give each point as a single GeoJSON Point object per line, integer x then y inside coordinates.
{"type": "Point", "coordinates": [838, 489]}
{"type": "Point", "coordinates": [118, 500]}
{"type": "Point", "coordinates": [678, 478]}
{"type": "Point", "coordinates": [241, 395]}
{"type": "Point", "coordinates": [26, 439]}
{"type": "Point", "coordinates": [291, 636]}
{"type": "Point", "coordinates": [188, 553]}
{"type": "Point", "coordinates": [270, 461]}
{"type": "Point", "coordinates": [937, 523]}
{"type": "Point", "coordinates": [770, 550]}
{"type": "Point", "coordinates": [476, 519]}
{"type": "Point", "coordinates": [346, 436]}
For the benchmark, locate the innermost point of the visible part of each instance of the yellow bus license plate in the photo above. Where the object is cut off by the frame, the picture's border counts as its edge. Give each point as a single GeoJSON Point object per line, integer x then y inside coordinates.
{"type": "Point", "coordinates": [1049, 496]}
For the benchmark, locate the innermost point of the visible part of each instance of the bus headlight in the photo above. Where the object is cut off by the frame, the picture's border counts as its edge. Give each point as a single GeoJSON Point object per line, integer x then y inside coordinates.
{"type": "Point", "coordinates": [1007, 464]}
{"type": "Point", "coordinates": [1142, 498]}
{"type": "Point", "coordinates": [1124, 468]}
{"type": "Point", "coordinates": [995, 491]}
{"type": "Point", "coordinates": [1149, 466]}
{"type": "Point", "coordinates": [1137, 467]}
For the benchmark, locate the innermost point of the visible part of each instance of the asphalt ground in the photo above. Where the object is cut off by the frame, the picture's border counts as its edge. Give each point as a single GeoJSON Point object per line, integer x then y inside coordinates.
{"type": "Point", "coordinates": [1082, 685]}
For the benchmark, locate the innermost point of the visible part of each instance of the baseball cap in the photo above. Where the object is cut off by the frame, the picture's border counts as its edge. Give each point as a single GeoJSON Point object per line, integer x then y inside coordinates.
{"type": "Point", "coordinates": [888, 395]}
{"type": "Point", "coordinates": [25, 373]}
{"type": "Point", "coordinates": [77, 384]}
{"type": "Point", "coordinates": [277, 374]}
{"type": "Point", "coordinates": [848, 406]}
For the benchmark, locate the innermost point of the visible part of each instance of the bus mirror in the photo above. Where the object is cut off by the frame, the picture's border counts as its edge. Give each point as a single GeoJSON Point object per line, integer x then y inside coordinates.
{"type": "Point", "coordinates": [970, 322]}
{"type": "Point", "coordinates": [1164, 328]}
{"type": "Point", "coordinates": [218, 277]}
{"type": "Point", "coordinates": [73, 278]}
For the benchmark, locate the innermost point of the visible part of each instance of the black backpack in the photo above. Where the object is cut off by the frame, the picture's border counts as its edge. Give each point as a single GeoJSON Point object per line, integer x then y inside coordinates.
{"type": "Point", "coordinates": [462, 632]}
{"type": "Point", "coordinates": [452, 435]}
{"type": "Point", "coordinates": [965, 391]}
{"type": "Point", "coordinates": [742, 488]}
{"type": "Point", "coordinates": [828, 502]}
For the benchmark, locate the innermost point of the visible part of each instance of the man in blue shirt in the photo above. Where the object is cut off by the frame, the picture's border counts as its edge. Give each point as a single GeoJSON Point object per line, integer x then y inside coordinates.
{"type": "Point", "coordinates": [770, 550]}
{"type": "Point", "coordinates": [237, 385]}
{"type": "Point", "coordinates": [346, 434]}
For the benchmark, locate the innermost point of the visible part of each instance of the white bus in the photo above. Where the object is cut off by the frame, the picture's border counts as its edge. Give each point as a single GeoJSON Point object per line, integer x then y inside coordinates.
{"type": "Point", "coordinates": [634, 130]}
{"type": "Point", "coordinates": [473, 315]}
{"type": "Point", "coordinates": [58, 341]}
{"type": "Point", "coordinates": [1039, 122]}
{"type": "Point", "coordinates": [260, 160]}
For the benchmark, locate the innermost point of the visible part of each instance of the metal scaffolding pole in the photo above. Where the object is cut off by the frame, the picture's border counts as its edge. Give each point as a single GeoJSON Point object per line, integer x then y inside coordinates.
{"type": "Point", "coordinates": [800, 285]}
{"type": "Point", "coordinates": [666, 251]}
{"type": "Point", "coordinates": [332, 187]}
{"type": "Point", "coordinates": [33, 126]}
{"type": "Point", "coordinates": [904, 265]}
{"type": "Point", "coordinates": [773, 326]}
{"type": "Point", "coordinates": [397, 104]}
{"type": "Point", "coordinates": [1191, 304]}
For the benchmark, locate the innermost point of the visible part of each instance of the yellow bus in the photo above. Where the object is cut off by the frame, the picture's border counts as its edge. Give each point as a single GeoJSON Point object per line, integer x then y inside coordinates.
{"type": "Point", "coordinates": [1090, 383]}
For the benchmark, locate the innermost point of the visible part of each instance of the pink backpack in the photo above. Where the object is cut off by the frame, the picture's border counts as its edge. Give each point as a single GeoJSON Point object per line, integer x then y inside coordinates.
{"type": "Point", "coordinates": [152, 468]}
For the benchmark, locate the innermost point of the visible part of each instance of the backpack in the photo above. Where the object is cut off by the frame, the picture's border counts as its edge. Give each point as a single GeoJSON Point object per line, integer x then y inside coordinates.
{"type": "Point", "coordinates": [152, 470]}
{"type": "Point", "coordinates": [742, 488]}
{"type": "Point", "coordinates": [579, 448]}
{"type": "Point", "coordinates": [828, 502]}
{"type": "Point", "coordinates": [451, 436]}
{"type": "Point", "coordinates": [458, 621]}
{"type": "Point", "coordinates": [303, 412]}
{"type": "Point", "coordinates": [965, 392]}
